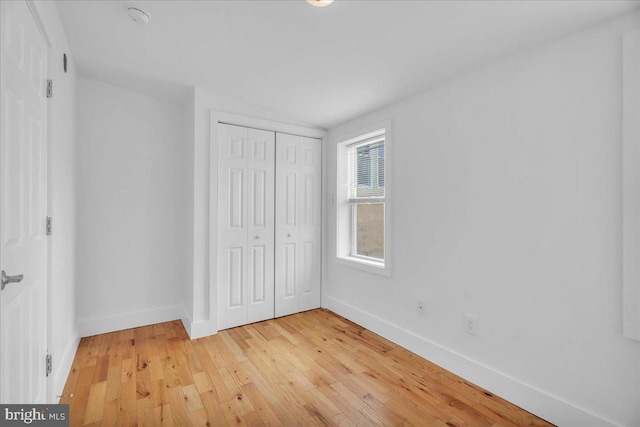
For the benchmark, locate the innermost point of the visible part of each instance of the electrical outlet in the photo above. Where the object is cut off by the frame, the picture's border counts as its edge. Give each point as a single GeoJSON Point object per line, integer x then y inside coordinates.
{"type": "Point", "coordinates": [421, 309]}
{"type": "Point", "coordinates": [471, 324]}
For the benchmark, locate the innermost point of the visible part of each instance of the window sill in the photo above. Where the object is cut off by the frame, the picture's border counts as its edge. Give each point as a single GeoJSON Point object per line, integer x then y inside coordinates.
{"type": "Point", "coordinates": [371, 266]}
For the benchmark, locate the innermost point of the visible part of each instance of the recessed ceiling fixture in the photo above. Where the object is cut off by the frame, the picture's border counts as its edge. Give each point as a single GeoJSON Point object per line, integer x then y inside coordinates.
{"type": "Point", "coordinates": [320, 3]}
{"type": "Point", "coordinates": [139, 16]}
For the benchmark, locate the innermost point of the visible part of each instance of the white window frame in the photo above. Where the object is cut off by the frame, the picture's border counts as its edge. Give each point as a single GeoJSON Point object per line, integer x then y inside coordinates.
{"type": "Point", "coordinates": [345, 238]}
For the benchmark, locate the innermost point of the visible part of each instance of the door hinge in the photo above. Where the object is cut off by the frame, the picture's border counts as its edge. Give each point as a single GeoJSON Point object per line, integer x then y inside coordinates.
{"type": "Point", "coordinates": [49, 225]}
{"type": "Point", "coordinates": [49, 364]}
{"type": "Point", "coordinates": [49, 88]}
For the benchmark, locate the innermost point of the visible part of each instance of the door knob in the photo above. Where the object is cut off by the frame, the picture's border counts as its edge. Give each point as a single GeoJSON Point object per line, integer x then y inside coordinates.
{"type": "Point", "coordinates": [10, 279]}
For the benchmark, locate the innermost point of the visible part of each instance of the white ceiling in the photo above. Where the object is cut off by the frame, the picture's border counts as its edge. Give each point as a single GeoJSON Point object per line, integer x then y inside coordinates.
{"type": "Point", "coordinates": [317, 66]}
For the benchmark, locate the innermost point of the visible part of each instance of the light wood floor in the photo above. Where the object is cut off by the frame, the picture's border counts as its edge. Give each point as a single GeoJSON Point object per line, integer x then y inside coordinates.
{"type": "Point", "coordinates": [312, 368]}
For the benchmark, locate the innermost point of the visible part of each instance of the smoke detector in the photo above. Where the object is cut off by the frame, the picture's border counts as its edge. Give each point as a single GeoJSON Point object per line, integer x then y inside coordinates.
{"type": "Point", "coordinates": [139, 16]}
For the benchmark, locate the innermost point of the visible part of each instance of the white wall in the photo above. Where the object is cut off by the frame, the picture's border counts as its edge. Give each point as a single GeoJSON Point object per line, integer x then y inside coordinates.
{"type": "Point", "coordinates": [63, 335]}
{"type": "Point", "coordinates": [132, 223]}
{"type": "Point", "coordinates": [507, 205]}
{"type": "Point", "coordinates": [198, 309]}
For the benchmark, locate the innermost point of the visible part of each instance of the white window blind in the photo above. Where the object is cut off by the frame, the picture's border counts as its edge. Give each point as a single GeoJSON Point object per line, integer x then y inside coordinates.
{"type": "Point", "coordinates": [366, 167]}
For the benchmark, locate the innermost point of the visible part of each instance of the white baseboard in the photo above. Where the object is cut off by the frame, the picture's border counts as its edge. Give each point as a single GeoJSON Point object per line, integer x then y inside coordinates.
{"type": "Point", "coordinates": [89, 327]}
{"type": "Point", "coordinates": [538, 402]}
{"type": "Point", "coordinates": [199, 329]}
{"type": "Point", "coordinates": [64, 367]}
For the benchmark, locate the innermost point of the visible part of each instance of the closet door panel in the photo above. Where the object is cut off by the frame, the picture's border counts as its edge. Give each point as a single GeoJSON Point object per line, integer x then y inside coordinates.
{"type": "Point", "coordinates": [261, 170]}
{"type": "Point", "coordinates": [309, 229]}
{"type": "Point", "coordinates": [232, 226]}
{"type": "Point", "coordinates": [286, 215]}
{"type": "Point", "coordinates": [297, 224]}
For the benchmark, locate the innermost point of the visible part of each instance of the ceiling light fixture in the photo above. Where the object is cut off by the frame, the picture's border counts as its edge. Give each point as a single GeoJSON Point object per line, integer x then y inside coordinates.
{"type": "Point", "coordinates": [139, 16]}
{"type": "Point", "coordinates": [320, 3]}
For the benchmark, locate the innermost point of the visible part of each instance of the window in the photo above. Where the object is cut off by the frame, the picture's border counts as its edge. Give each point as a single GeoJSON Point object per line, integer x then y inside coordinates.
{"type": "Point", "coordinates": [363, 200]}
{"type": "Point", "coordinates": [366, 197]}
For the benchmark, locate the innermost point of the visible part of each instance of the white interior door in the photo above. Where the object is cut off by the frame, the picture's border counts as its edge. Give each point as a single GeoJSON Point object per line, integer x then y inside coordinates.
{"type": "Point", "coordinates": [298, 224]}
{"type": "Point", "coordinates": [23, 200]}
{"type": "Point", "coordinates": [245, 225]}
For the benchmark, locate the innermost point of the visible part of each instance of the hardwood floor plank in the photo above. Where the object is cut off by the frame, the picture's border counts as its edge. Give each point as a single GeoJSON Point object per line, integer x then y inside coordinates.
{"type": "Point", "coordinates": [202, 383]}
{"type": "Point", "coordinates": [128, 372]}
{"type": "Point", "coordinates": [262, 407]}
{"type": "Point", "coordinates": [352, 412]}
{"type": "Point", "coordinates": [198, 417]}
{"type": "Point", "coordinates": [178, 351]}
{"type": "Point", "coordinates": [343, 421]}
{"type": "Point", "coordinates": [146, 414]}
{"type": "Point", "coordinates": [162, 415]}
{"type": "Point", "coordinates": [178, 409]}
{"type": "Point", "coordinates": [194, 363]}
{"type": "Point", "coordinates": [498, 419]}
{"type": "Point", "coordinates": [159, 394]}
{"type": "Point", "coordinates": [239, 374]}
{"type": "Point", "coordinates": [266, 386]}
{"type": "Point", "coordinates": [114, 389]}
{"type": "Point", "coordinates": [162, 347]}
{"type": "Point", "coordinates": [111, 412]}
{"type": "Point", "coordinates": [155, 368]}
{"type": "Point", "coordinates": [373, 417]}
{"type": "Point", "coordinates": [319, 415]}
{"type": "Point", "coordinates": [78, 404]}
{"type": "Point", "coordinates": [219, 388]}
{"type": "Point", "coordinates": [212, 409]}
{"type": "Point", "coordinates": [95, 403]}
{"type": "Point", "coordinates": [101, 369]}
{"type": "Point", "coordinates": [307, 369]}
{"type": "Point", "coordinates": [86, 376]}
{"type": "Point", "coordinates": [378, 410]}
{"type": "Point", "coordinates": [184, 375]}
{"type": "Point", "coordinates": [299, 412]}
{"type": "Point", "coordinates": [130, 420]}
{"type": "Point", "coordinates": [347, 395]}
{"type": "Point", "coordinates": [143, 383]}
{"type": "Point", "coordinates": [231, 414]}
{"type": "Point", "coordinates": [128, 400]}
{"type": "Point", "coordinates": [321, 401]}
{"type": "Point", "coordinates": [191, 398]}
{"type": "Point", "coordinates": [128, 344]}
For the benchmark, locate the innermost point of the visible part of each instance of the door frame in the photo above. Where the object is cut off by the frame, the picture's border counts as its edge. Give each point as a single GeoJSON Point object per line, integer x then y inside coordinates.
{"type": "Point", "coordinates": [50, 383]}
{"type": "Point", "coordinates": [217, 118]}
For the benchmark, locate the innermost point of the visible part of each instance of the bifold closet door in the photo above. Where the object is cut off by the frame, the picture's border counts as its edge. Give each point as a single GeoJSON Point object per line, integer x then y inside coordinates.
{"type": "Point", "coordinates": [298, 224]}
{"type": "Point", "coordinates": [245, 225]}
